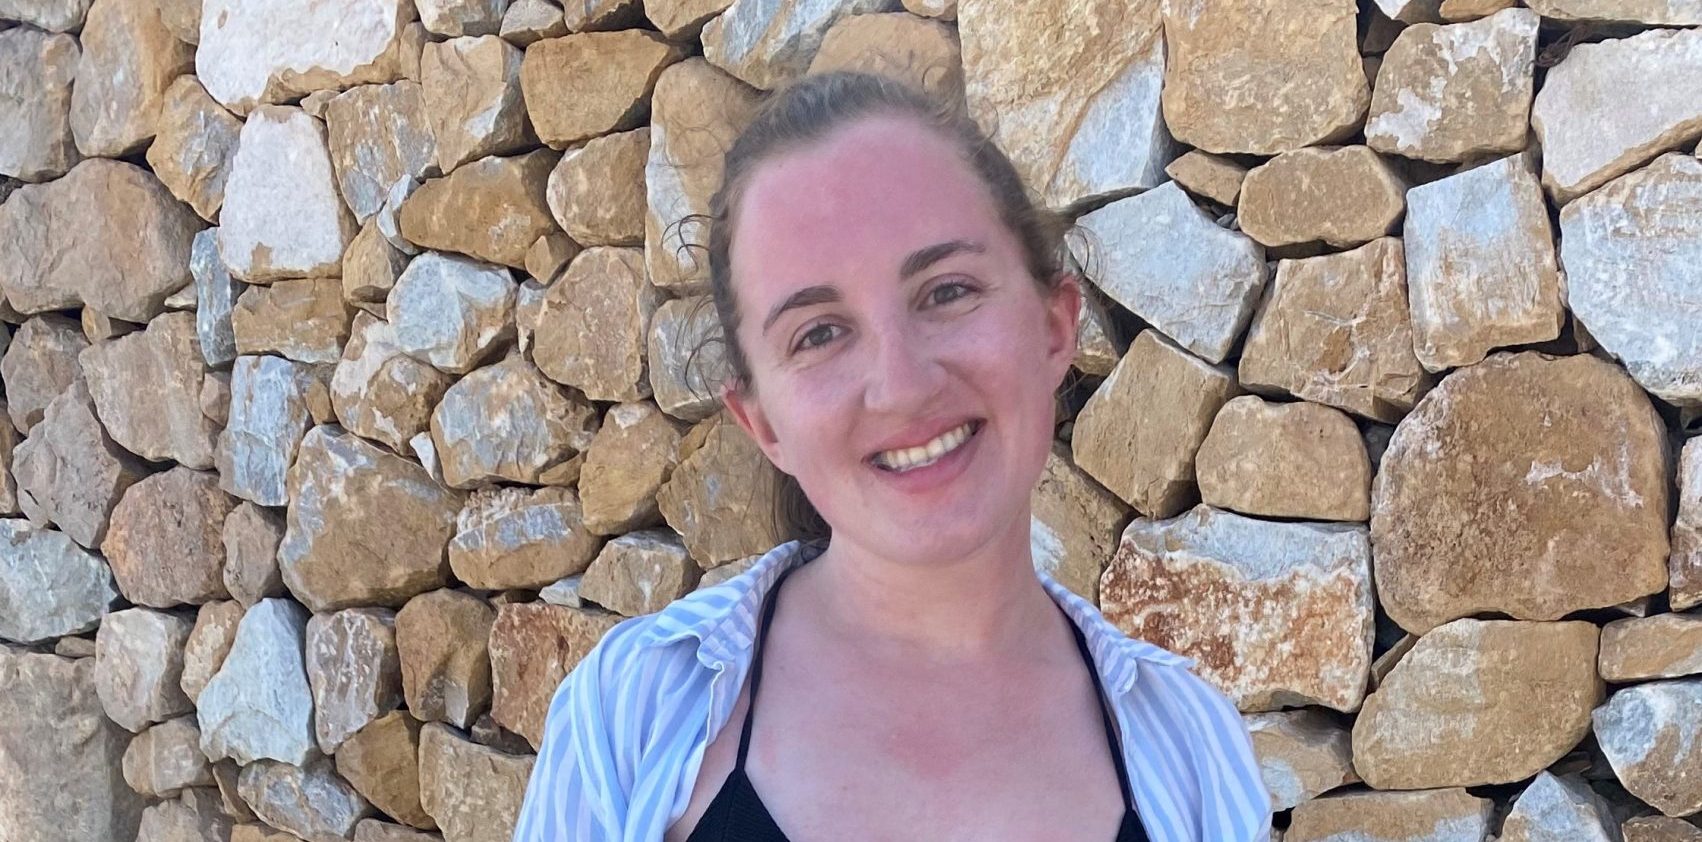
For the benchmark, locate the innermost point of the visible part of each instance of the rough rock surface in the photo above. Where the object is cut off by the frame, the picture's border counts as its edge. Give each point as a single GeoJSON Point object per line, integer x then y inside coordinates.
{"type": "Point", "coordinates": [378, 135]}
{"type": "Point", "coordinates": [1559, 808]}
{"type": "Point", "coordinates": [1667, 12]}
{"type": "Point", "coordinates": [510, 537]}
{"type": "Point", "coordinates": [49, 586]}
{"type": "Point", "coordinates": [596, 191]}
{"type": "Point", "coordinates": [632, 455]}
{"type": "Point", "coordinates": [767, 44]}
{"type": "Point", "coordinates": [685, 357]}
{"type": "Point", "coordinates": [1344, 197]}
{"type": "Point", "coordinates": [1649, 734]}
{"type": "Point", "coordinates": [589, 327]}
{"type": "Point", "coordinates": [1481, 271]}
{"type": "Point", "coordinates": [353, 670]}
{"type": "Point", "coordinates": [259, 705]}
{"type": "Point", "coordinates": [639, 573]}
{"type": "Point", "coordinates": [196, 142]}
{"type": "Point", "coordinates": [461, 17]}
{"type": "Point", "coordinates": [268, 417]}
{"type": "Point", "coordinates": [1070, 525]}
{"type": "Point", "coordinates": [69, 472]}
{"type": "Point", "coordinates": [128, 60]}
{"type": "Point", "coordinates": [1076, 107]}
{"type": "Point", "coordinates": [1664, 67]}
{"type": "Point", "coordinates": [60, 765]}
{"type": "Point", "coordinates": [507, 422]}
{"type": "Point", "coordinates": [1557, 462]}
{"type": "Point", "coordinates": [381, 761]}
{"type": "Point", "coordinates": [138, 666]}
{"type": "Point", "coordinates": [216, 294]}
{"type": "Point", "coordinates": [1139, 432]}
{"type": "Point", "coordinates": [492, 209]}
{"type": "Point", "coordinates": [532, 647]}
{"type": "Point", "coordinates": [1454, 93]}
{"type": "Point", "coordinates": [39, 365]}
{"type": "Point", "coordinates": [924, 54]}
{"type": "Point", "coordinates": [1302, 754]}
{"type": "Point", "coordinates": [1684, 568]}
{"type": "Point", "coordinates": [1273, 614]}
{"type": "Point", "coordinates": [1297, 460]}
{"type": "Point", "coordinates": [282, 216]}
{"type": "Point", "coordinates": [243, 61]}
{"type": "Point", "coordinates": [1336, 329]}
{"type": "Point", "coordinates": [251, 537]}
{"type": "Point", "coordinates": [165, 544]}
{"type": "Point", "coordinates": [1160, 256]}
{"type": "Point", "coordinates": [163, 421]}
{"type": "Point", "coordinates": [1294, 67]}
{"type": "Point", "coordinates": [308, 800]}
{"type": "Point", "coordinates": [209, 644]}
{"type": "Point", "coordinates": [1479, 702]}
{"type": "Point", "coordinates": [1209, 176]}
{"type": "Point", "coordinates": [473, 792]}
{"type": "Point", "coordinates": [1660, 829]}
{"type": "Point", "coordinates": [379, 391]}
{"type": "Point", "coordinates": [451, 311]}
{"type": "Point", "coordinates": [167, 758]}
{"type": "Point", "coordinates": [592, 83]}
{"type": "Point", "coordinates": [1633, 257]}
{"type": "Point", "coordinates": [365, 526]}
{"type": "Point", "coordinates": [1438, 815]}
{"type": "Point", "coordinates": [473, 100]}
{"type": "Point", "coordinates": [721, 495]}
{"type": "Point", "coordinates": [194, 816]}
{"type": "Point", "coordinates": [1660, 646]}
{"type": "Point", "coordinates": [443, 639]}
{"type": "Point", "coordinates": [37, 69]}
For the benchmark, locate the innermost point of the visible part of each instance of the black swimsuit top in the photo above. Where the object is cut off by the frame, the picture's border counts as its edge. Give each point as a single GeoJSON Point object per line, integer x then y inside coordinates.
{"type": "Point", "coordinates": [737, 814]}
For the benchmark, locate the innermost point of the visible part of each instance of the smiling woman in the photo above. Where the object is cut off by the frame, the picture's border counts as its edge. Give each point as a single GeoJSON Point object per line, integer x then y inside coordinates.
{"type": "Point", "coordinates": [897, 324]}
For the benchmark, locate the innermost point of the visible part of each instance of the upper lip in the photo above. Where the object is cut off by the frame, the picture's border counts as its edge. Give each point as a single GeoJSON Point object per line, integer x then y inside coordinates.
{"type": "Point", "coordinates": [921, 432]}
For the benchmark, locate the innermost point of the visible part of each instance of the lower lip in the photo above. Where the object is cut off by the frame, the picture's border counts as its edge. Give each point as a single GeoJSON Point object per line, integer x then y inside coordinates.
{"type": "Point", "coordinates": [936, 474]}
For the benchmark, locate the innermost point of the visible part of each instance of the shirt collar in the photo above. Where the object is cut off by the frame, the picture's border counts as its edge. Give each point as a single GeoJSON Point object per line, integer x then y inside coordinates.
{"type": "Point", "coordinates": [723, 619]}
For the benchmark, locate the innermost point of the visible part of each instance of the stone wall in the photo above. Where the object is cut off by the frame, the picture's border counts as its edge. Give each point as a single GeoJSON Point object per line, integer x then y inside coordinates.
{"type": "Point", "coordinates": [351, 398]}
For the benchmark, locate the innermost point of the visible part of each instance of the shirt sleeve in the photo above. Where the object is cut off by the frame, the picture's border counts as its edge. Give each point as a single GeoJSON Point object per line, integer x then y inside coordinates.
{"type": "Point", "coordinates": [1236, 807]}
{"type": "Point", "coordinates": [576, 790]}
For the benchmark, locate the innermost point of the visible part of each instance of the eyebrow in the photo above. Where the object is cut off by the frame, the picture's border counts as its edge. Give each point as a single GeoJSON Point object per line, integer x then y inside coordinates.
{"type": "Point", "coordinates": [917, 261]}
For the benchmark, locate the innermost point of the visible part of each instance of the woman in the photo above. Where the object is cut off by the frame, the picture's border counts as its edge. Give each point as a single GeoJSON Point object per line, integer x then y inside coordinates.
{"type": "Point", "coordinates": [898, 324]}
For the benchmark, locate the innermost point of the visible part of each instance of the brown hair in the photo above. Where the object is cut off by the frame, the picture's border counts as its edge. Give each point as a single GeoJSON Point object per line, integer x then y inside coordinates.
{"type": "Point", "coordinates": [807, 111]}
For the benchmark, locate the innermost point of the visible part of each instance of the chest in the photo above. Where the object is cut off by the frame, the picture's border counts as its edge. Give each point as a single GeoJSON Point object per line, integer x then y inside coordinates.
{"type": "Point", "coordinates": [989, 759]}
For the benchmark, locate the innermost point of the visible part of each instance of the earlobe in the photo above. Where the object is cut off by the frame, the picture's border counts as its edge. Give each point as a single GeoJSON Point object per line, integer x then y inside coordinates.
{"type": "Point", "coordinates": [747, 412]}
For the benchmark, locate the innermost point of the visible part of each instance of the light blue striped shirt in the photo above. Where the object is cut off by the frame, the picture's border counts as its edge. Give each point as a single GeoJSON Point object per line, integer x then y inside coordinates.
{"type": "Point", "coordinates": [628, 727]}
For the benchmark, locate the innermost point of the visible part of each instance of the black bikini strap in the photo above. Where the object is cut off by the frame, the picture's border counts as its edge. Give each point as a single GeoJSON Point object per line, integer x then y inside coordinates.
{"type": "Point", "coordinates": [756, 664]}
{"type": "Point", "coordinates": [1104, 715]}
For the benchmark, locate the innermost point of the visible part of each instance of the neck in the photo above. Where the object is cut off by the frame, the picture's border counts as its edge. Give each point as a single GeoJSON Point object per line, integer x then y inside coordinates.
{"type": "Point", "coordinates": [983, 604]}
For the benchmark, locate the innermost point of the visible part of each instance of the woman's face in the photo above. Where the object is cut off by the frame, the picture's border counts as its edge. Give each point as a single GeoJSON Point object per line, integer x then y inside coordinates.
{"type": "Point", "coordinates": [903, 360]}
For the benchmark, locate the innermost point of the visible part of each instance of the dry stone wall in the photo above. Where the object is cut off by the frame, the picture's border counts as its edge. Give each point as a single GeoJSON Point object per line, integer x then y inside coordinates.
{"type": "Point", "coordinates": [350, 396]}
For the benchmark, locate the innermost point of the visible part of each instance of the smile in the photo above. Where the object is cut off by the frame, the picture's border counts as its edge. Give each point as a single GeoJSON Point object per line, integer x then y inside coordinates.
{"type": "Point", "coordinates": [921, 456]}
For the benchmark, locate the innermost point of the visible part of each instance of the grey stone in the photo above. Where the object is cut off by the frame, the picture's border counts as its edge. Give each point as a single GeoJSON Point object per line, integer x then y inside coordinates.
{"type": "Point", "coordinates": [258, 705]}
{"type": "Point", "coordinates": [354, 671]}
{"type": "Point", "coordinates": [49, 586]}
{"type": "Point", "coordinates": [269, 415]}
{"type": "Point", "coordinates": [139, 666]}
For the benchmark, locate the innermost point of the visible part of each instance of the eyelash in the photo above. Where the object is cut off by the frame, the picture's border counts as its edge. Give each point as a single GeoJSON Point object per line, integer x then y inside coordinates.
{"type": "Point", "coordinates": [802, 346]}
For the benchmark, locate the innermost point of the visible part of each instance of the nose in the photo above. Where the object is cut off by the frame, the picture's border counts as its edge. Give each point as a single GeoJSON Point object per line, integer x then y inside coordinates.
{"type": "Point", "coordinates": [905, 375]}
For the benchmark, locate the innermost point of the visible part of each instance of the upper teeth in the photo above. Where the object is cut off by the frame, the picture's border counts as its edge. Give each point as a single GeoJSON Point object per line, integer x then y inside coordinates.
{"type": "Point", "coordinates": [926, 454]}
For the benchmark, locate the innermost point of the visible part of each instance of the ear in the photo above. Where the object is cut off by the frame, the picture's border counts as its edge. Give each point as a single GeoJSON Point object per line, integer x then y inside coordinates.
{"type": "Point", "coordinates": [742, 404]}
{"type": "Point", "coordinates": [1063, 317]}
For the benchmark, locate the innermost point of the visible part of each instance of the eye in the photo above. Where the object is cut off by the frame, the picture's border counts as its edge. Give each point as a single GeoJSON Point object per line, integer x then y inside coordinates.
{"type": "Point", "coordinates": [815, 337]}
{"type": "Point", "coordinates": [956, 290]}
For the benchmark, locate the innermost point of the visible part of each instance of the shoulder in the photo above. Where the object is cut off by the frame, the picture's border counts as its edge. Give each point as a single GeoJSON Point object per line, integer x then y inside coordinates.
{"type": "Point", "coordinates": [1209, 746]}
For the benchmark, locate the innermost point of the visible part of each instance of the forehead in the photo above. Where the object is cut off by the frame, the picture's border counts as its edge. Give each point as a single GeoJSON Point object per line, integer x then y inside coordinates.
{"type": "Point", "coordinates": [856, 203]}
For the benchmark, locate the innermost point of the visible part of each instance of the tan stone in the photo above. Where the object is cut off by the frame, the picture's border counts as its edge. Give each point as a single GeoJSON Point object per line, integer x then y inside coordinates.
{"type": "Point", "coordinates": [590, 15]}
{"type": "Point", "coordinates": [1650, 736]}
{"type": "Point", "coordinates": [1557, 462]}
{"type": "Point", "coordinates": [1660, 829]}
{"type": "Point", "coordinates": [262, 833]}
{"type": "Point", "coordinates": [721, 495]}
{"type": "Point", "coordinates": [165, 420]}
{"type": "Point", "coordinates": [492, 209]}
{"type": "Point", "coordinates": [472, 791]}
{"type": "Point", "coordinates": [508, 422]}
{"type": "Point", "coordinates": [1479, 702]}
{"type": "Point", "coordinates": [332, 46]}
{"type": "Point", "coordinates": [39, 364]}
{"type": "Point", "coordinates": [1302, 754]}
{"type": "Point", "coordinates": [1393, 816]}
{"type": "Point", "coordinates": [640, 573]}
{"type": "Point", "coordinates": [128, 60]}
{"type": "Point", "coordinates": [381, 761]}
{"type": "Point", "coordinates": [695, 113]}
{"type": "Point", "coordinates": [1658, 12]}
{"type": "Point", "coordinates": [371, 266]}
{"type": "Point", "coordinates": [1076, 107]}
{"type": "Point", "coordinates": [354, 670]}
{"type": "Point", "coordinates": [305, 320]}
{"type": "Point", "coordinates": [528, 21]}
{"type": "Point", "coordinates": [282, 216]}
{"type": "Point", "coordinates": [452, 312]}
{"type": "Point", "coordinates": [1139, 432]}
{"type": "Point", "coordinates": [308, 800]}
{"type": "Point", "coordinates": [596, 192]}
{"type": "Point", "coordinates": [1294, 68]}
{"type": "Point", "coordinates": [164, 542]}
{"type": "Point", "coordinates": [139, 666]}
{"type": "Point", "coordinates": [107, 234]}
{"type": "Point", "coordinates": [194, 816]}
{"type": "Point", "coordinates": [589, 327]}
{"type": "Point", "coordinates": [1208, 176]}
{"type": "Point", "coordinates": [37, 69]}
{"type": "Point", "coordinates": [1344, 196]}
{"type": "Point", "coordinates": [373, 830]}
{"type": "Point", "coordinates": [378, 135]}
{"type": "Point", "coordinates": [940, 9]}
{"type": "Point", "coordinates": [919, 52]}
{"type": "Point", "coordinates": [632, 455]}
{"type": "Point", "coordinates": [208, 644]}
{"type": "Point", "coordinates": [683, 20]}
{"type": "Point", "coordinates": [381, 392]}
{"type": "Point", "coordinates": [1684, 567]}
{"type": "Point", "coordinates": [768, 44]}
{"type": "Point", "coordinates": [473, 100]}
{"type": "Point", "coordinates": [510, 537]}
{"type": "Point", "coordinates": [251, 535]}
{"type": "Point", "coordinates": [365, 526]}
{"type": "Point", "coordinates": [1633, 256]}
{"type": "Point", "coordinates": [1073, 525]}
{"type": "Point", "coordinates": [1481, 269]}
{"type": "Point", "coordinates": [1336, 329]}
{"type": "Point", "coordinates": [1273, 614]}
{"type": "Point", "coordinates": [196, 143]}
{"type": "Point", "coordinates": [443, 639]}
{"type": "Point", "coordinates": [166, 758]}
{"type": "Point", "coordinates": [1663, 67]}
{"type": "Point", "coordinates": [686, 360]}
{"type": "Point", "coordinates": [60, 770]}
{"type": "Point", "coordinates": [532, 647]}
{"type": "Point", "coordinates": [551, 254]}
{"type": "Point", "coordinates": [1661, 646]}
{"type": "Point", "coordinates": [1455, 93]}
{"type": "Point", "coordinates": [69, 472]}
{"type": "Point", "coordinates": [1099, 342]}
{"type": "Point", "coordinates": [1299, 460]}
{"type": "Point", "coordinates": [592, 83]}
